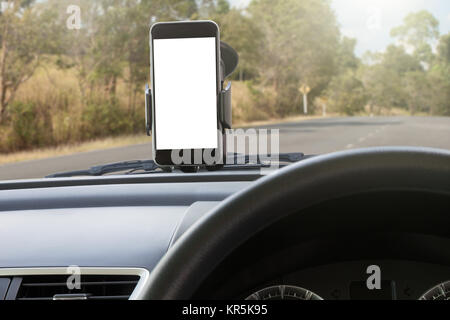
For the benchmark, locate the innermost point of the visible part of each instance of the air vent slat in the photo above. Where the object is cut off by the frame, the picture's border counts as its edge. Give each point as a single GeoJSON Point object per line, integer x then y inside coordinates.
{"type": "Point", "coordinates": [94, 287]}
{"type": "Point", "coordinates": [124, 297]}
{"type": "Point", "coordinates": [56, 284]}
{"type": "Point", "coordinates": [109, 298]}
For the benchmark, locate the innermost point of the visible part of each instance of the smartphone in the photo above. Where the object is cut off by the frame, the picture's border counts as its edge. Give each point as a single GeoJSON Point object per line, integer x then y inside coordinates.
{"type": "Point", "coordinates": [185, 59]}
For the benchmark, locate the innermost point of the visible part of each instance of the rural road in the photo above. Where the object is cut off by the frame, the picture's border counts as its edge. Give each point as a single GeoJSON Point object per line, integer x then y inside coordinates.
{"type": "Point", "coordinates": [311, 137]}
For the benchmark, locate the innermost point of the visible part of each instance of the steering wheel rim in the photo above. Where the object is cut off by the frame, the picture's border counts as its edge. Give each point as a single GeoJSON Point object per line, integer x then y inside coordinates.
{"type": "Point", "coordinates": [196, 254]}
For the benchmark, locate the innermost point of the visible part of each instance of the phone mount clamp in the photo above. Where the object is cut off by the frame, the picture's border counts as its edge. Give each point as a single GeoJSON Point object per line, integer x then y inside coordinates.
{"type": "Point", "coordinates": [229, 60]}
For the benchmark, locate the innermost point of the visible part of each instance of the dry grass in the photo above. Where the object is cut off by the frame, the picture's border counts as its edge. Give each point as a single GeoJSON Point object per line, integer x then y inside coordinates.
{"type": "Point", "coordinates": [60, 116]}
{"type": "Point", "coordinates": [50, 85]}
{"type": "Point", "coordinates": [393, 111]}
{"type": "Point", "coordinates": [245, 105]}
{"type": "Point", "coordinates": [114, 142]}
{"type": "Point", "coordinates": [283, 120]}
{"type": "Point", "coordinates": [58, 92]}
{"type": "Point", "coordinates": [99, 144]}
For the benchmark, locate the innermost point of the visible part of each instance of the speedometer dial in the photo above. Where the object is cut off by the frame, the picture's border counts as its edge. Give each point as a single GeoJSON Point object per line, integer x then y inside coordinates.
{"type": "Point", "coordinates": [284, 293]}
{"type": "Point", "coordinates": [439, 292]}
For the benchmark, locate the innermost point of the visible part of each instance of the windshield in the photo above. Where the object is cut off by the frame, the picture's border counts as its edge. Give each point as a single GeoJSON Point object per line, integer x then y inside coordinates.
{"type": "Point", "coordinates": [329, 74]}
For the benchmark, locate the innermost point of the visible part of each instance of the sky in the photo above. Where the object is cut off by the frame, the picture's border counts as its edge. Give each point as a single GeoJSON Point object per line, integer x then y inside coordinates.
{"type": "Point", "coordinates": [370, 21]}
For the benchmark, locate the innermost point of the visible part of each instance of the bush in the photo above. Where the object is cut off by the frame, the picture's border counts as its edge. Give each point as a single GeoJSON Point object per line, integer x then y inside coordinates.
{"type": "Point", "coordinates": [101, 119]}
{"type": "Point", "coordinates": [250, 103]}
{"type": "Point", "coordinates": [31, 126]}
{"type": "Point", "coordinates": [347, 94]}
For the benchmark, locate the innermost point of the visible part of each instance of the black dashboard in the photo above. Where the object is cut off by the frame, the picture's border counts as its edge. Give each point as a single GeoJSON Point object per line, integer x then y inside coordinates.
{"type": "Point", "coordinates": [102, 223]}
{"type": "Point", "coordinates": [331, 251]}
{"type": "Point", "coordinates": [131, 222]}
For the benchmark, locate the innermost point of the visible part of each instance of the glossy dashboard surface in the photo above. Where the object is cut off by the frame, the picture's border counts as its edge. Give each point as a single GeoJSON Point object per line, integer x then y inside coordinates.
{"type": "Point", "coordinates": [98, 225]}
{"type": "Point", "coordinates": [130, 222]}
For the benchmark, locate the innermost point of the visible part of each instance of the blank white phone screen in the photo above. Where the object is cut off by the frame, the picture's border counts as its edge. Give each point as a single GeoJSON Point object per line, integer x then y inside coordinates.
{"type": "Point", "coordinates": [185, 93]}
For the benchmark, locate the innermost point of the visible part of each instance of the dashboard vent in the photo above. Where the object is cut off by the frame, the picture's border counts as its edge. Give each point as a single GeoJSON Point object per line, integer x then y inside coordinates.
{"type": "Point", "coordinates": [92, 287]}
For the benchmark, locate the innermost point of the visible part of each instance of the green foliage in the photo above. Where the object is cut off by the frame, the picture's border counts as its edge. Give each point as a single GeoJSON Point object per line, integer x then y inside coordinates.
{"type": "Point", "coordinates": [300, 39]}
{"type": "Point", "coordinates": [345, 57]}
{"type": "Point", "coordinates": [417, 81]}
{"type": "Point", "coordinates": [384, 79]}
{"type": "Point", "coordinates": [418, 29]}
{"type": "Point", "coordinates": [347, 94]}
{"type": "Point", "coordinates": [243, 35]}
{"type": "Point", "coordinates": [223, 7]}
{"type": "Point", "coordinates": [444, 49]}
{"type": "Point", "coordinates": [26, 3]}
{"type": "Point", "coordinates": [383, 86]}
{"type": "Point", "coordinates": [105, 118]}
{"type": "Point", "coordinates": [439, 80]}
{"type": "Point", "coordinates": [28, 34]}
{"type": "Point", "coordinates": [416, 85]}
{"type": "Point", "coordinates": [30, 126]}
{"type": "Point", "coordinates": [396, 59]}
{"type": "Point", "coordinates": [282, 45]}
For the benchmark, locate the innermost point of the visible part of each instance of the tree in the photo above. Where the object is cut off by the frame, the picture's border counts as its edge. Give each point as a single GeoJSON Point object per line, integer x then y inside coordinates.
{"type": "Point", "coordinates": [113, 42]}
{"type": "Point", "coordinates": [443, 49]}
{"type": "Point", "coordinates": [223, 7]}
{"type": "Point", "coordinates": [121, 41]}
{"type": "Point", "coordinates": [345, 57]}
{"type": "Point", "coordinates": [239, 31]}
{"type": "Point", "coordinates": [397, 59]}
{"type": "Point", "coordinates": [346, 94]}
{"type": "Point", "coordinates": [419, 29]}
{"type": "Point", "coordinates": [383, 86]}
{"type": "Point", "coordinates": [25, 39]}
{"type": "Point", "coordinates": [439, 96]}
{"type": "Point", "coordinates": [439, 79]}
{"type": "Point", "coordinates": [299, 42]}
{"type": "Point", "coordinates": [417, 88]}
{"type": "Point", "coordinates": [384, 78]}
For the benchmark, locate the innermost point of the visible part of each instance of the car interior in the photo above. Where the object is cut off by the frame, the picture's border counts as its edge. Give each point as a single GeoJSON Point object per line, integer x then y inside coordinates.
{"type": "Point", "coordinates": [315, 225]}
{"type": "Point", "coordinates": [353, 204]}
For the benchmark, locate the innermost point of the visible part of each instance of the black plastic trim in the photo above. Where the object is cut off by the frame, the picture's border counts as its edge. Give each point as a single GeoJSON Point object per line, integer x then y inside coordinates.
{"type": "Point", "coordinates": [235, 176]}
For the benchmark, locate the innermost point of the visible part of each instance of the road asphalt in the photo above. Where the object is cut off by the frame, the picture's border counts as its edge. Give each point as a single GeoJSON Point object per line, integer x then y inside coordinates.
{"type": "Point", "coordinates": [316, 136]}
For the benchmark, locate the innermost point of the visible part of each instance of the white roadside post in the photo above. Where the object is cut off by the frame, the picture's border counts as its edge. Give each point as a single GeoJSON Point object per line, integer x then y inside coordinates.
{"type": "Point", "coordinates": [324, 106]}
{"type": "Point", "coordinates": [305, 89]}
{"type": "Point", "coordinates": [305, 103]}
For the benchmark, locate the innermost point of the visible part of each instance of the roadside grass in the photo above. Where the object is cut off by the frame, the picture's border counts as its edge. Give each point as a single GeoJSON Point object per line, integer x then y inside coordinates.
{"type": "Point", "coordinates": [121, 141]}
{"type": "Point", "coordinates": [98, 144]}
{"type": "Point", "coordinates": [242, 124]}
{"type": "Point", "coordinates": [115, 142]}
{"type": "Point", "coordinates": [56, 93]}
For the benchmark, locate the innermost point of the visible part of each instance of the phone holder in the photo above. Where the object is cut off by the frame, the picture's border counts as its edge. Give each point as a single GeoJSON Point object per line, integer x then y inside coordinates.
{"type": "Point", "coordinates": [229, 60]}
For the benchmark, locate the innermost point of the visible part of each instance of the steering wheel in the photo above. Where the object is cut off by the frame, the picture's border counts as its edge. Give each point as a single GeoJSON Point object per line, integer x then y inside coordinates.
{"type": "Point", "coordinates": [200, 250]}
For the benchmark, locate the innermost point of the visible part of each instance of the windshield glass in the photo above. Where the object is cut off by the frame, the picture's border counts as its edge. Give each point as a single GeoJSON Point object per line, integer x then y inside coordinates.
{"type": "Point", "coordinates": [329, 74]}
